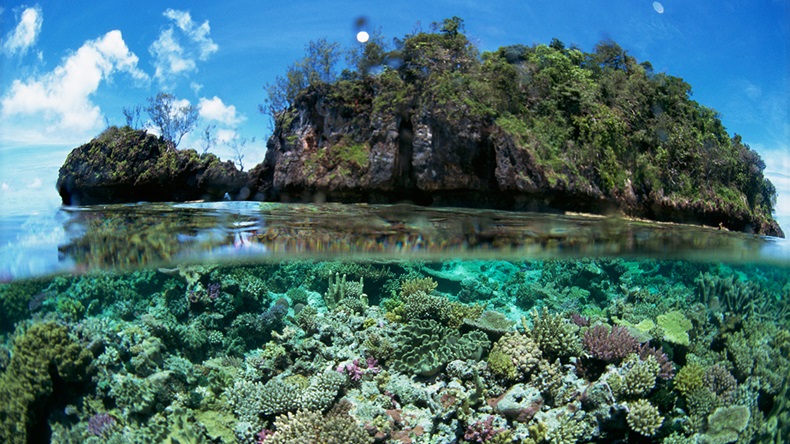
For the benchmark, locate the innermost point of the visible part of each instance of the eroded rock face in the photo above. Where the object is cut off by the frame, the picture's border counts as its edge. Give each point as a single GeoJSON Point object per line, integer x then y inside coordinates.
{"type": "Point", "coordinates": [322, 150]}
{"type": "Point", "coordinates": [127, 165]}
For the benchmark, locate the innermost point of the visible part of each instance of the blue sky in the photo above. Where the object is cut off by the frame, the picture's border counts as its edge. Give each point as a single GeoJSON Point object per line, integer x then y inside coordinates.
{"type": "Point", "coordinates": [68, 68]}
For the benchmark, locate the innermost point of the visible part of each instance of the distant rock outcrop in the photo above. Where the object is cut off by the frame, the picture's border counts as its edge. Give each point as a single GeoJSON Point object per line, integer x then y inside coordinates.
{"type": "Point", "coordinates": [126, 165]}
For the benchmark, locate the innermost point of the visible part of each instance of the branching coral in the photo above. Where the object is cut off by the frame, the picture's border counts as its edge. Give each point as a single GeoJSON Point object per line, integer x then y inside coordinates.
{"type": "Point", "coordinates": [314, 428]}
{"type": "Point", "coordinates": [248, 399]}
{"type": "Point", "coordinates": [689, 378]}
{"type": "Point", "coordinates": [554, 335]}
{"type": "Point", "coordinates": [643, 417]}
{"type": "Point", "coordinates": [609, 345]}
{"type": "Point", "coordinates": [345, 293]}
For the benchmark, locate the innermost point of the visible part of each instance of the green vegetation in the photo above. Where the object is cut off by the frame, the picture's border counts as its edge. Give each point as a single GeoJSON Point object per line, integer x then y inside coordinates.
{"type": "Point", "coordinates": [595, 122]}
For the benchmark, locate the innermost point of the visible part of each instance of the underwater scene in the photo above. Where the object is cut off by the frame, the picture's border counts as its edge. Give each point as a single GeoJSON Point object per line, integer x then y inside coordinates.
{"type": "Point", "coordinates": [285, 323]}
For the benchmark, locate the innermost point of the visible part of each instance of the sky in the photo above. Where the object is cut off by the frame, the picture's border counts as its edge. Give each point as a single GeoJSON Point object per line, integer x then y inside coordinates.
{"type": "Point", "coordinates": [68, 69]}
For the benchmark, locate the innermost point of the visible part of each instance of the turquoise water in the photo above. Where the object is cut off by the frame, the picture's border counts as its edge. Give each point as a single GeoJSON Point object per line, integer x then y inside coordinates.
{"type": "Point", "coordinates": [247, 322]}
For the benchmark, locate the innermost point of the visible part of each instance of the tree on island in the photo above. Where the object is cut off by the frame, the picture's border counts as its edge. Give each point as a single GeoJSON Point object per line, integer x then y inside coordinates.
{"type": "Point", "coordinates": [174, 120]}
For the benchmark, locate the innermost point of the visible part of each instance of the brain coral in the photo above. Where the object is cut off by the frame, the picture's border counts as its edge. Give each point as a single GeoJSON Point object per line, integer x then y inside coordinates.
{"type": "Point", "coordinates": [521, 350]}
{"type": "Point", "coordinates": [426, 347]}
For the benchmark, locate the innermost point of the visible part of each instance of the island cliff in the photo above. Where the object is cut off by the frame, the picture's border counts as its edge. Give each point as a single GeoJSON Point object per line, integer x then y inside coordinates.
{"type": "Point", "coordinates": [434, 122]}
{"type": "Point", "coordinates": [522, 128]}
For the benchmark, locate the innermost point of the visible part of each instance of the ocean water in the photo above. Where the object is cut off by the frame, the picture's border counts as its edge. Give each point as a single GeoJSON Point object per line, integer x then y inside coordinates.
{"type": "Point", "coordinates": [249, 322]}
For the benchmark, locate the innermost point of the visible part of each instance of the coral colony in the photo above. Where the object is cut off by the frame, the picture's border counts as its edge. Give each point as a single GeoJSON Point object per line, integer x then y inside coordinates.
{"type": "Point", "coordinates": [554, 351]}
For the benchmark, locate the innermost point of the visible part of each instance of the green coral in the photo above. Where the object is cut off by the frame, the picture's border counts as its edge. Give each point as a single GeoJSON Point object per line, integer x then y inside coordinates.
{"type": "Point", "coordinates": [675, 327]}
{"type": "Point", "coordinates": [643, 417]}
{"type": "Point", "coordinates": [314, 428]}
{"type": "Point", "coordinates": [725, 423]}
{"type": "Point", "coordinates": [341, 292]}
{"type": "Point", "coordinates": [15, 298]}
{"type": "Point", "coordinates": [554, 335]}
{"type": "Point", "coordinates": [689, 378]}
{"type": "Point", "coordinates": [280, 395]}
{"type": "Point", "coordinates": [42, 355]}
{"type": "Point", "coordinates": [500, 364]}
{"type": "Point", "coordinates": [426, 347]}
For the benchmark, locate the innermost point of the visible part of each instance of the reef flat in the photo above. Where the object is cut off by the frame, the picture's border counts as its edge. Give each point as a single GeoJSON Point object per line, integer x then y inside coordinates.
{"type": "Point", "coordinates": [399, 351]}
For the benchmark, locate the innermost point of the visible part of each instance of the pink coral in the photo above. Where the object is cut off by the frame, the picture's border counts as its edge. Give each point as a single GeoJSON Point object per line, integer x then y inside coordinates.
{"type": "Point", "coordinates": [481, 431]}
{"type": "Point", "coordinates": [609, 345]}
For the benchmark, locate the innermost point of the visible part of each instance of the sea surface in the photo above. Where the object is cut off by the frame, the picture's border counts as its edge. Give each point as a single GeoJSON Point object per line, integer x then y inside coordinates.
{"type": "Point", "coordinates": [295, 323]}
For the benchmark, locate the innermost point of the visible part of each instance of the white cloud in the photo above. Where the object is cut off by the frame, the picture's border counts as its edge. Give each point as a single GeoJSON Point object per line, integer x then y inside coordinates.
{"type": "Point", "coordinates": [26, 32]}
{"type": "Point", "coordinates": [214, 109]}
{"type": "Point", "coordinates": [59, 101]}
{"type": "Point", "coordinates": [198, 35]}
{"type": "Point", "coordinates": [175, 55]}
{"type": "Point", "coordinates": [226, 135]}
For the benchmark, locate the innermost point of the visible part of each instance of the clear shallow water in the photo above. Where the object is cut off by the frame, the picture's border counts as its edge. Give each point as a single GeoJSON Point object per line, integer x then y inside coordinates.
{"type": "Point", "coordinates": [206, 322]}
{"type": "Point", "coordinates": [77, 239]}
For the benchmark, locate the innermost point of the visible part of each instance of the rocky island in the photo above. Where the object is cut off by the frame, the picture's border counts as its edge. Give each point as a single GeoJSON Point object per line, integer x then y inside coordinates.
{"type": "Point", "coordinates": [434, 122]}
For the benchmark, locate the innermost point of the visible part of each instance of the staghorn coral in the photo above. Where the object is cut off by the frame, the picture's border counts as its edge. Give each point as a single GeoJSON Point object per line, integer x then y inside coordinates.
{"type": "Point", "coordinates": [426, 347]}
{"type": "Point", "coordinates": [609, 345]}
{"type": "Point", "coordinates": [555, 336]}
{"type": "Point", "coordinates": [643, 417]}
{"type": "Point", "coordinates": [345, 293]}
{"type": "Point", "coordinates": [667, 367]}
{"type": "Point", "coordinates": [730, 294]}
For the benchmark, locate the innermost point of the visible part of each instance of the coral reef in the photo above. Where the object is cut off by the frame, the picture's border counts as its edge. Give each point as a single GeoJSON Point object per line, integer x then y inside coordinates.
{"type": "Point", "coordinates": [295, 352]}
{"type": "Point", "coordinates": [427, 346]}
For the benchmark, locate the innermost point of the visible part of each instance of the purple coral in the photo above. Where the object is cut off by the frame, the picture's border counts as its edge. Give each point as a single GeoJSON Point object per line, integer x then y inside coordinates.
{"type": "Point", "coordinates": [609, 345]}
{"type": "Point", "coordinates": [667, 370]}
{"type": "Point", "coordinates": [263, 435]}
{"type": "Point", "coordinates": [373, 365]}
{"type": "Point", "coordinates": [481, 431]}
{"type": "Point", "coordinates": [101, 424]}
{"type": "Point", "coordinates": [721, 382]}
{"type": "Point", "coordinates": [581, 321]}
{"type": "Point", "coordinates": [356, 372]}
{"type": "Point", "coordinates": [213, 291]}
{"type": "Point", "coordinates": [274, 315]}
